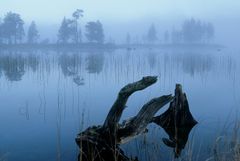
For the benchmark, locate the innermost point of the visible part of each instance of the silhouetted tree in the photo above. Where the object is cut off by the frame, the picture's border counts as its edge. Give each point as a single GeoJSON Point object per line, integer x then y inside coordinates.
{"type": "Point", "coordinates": [195, 31]}
{"type": "Point", "coordinates": [189, 29]}
{"type": "Point", "coordinates": [33, 35]}
{"type": "Point", "coordinates": [13, 28]}
{"type": "Point", "coordinates": [152, 34]}
{"type": "Point", "coordinates": [65, 31]}
{"type": "Point", "coordinates": [20, 34]}
{"type": "Point", "coordinates": [94, 32]}
{"type": "Point", "coordinates": [77, 37]}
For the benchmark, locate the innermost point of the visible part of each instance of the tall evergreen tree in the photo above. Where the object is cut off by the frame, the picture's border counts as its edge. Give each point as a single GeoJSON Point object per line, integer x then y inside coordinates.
{"type": "Point", "coordinates": [152, 34]}
{"type": "Point", "coordinates": [94, 32]}
{"type": "Point", "coordinates": [77, 37]}
{"type": "Point", "coordinates": [65, 31]}
{"type": "Point", "coordinates": [13, 28]}
{"type": "Point", "coordinates": [33, 35]}
{"type": "Point", "coordinates": [195, 31]}
{"type": "Point", "coordinates": [189, 31]}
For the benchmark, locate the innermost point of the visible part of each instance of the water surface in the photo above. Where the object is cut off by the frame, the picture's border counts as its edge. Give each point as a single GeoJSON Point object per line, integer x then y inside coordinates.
{"type": "Point", "coordinates": [47, 97]}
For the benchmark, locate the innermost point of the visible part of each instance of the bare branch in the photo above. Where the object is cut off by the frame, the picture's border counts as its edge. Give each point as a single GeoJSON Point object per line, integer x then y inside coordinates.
{"type": "Point", "coordinates": [137, 125]}
{"type": "Point", "coordinates": [115, 112]}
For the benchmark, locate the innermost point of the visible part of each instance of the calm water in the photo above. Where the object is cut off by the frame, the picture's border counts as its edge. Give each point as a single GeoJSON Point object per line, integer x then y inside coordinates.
{"type": "Point", "coordinates": [43, 107]}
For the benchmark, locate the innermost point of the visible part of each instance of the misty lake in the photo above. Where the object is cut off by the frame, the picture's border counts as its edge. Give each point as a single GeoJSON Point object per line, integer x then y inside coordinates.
{"type": "Point", "coordinates": [48, 97]}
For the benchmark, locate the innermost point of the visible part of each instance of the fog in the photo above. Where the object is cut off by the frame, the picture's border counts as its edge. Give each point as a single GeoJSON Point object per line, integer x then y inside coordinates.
{"type": "Point", "coordinates": [134, 17]}
{"type": "Point", "coordinates": [124, 10]}
{"type": "Point", "coordinates": [63, 63]}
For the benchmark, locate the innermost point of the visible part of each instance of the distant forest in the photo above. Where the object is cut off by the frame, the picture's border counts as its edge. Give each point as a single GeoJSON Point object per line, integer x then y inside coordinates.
{"type": "Point", "coordinates": [12, 32]}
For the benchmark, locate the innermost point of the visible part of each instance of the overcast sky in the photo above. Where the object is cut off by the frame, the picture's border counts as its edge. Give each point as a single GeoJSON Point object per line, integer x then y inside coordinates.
{"type": "Point", "coordinates": [135, 16]}
{"type": "Point", "coordinates": [54, 10]}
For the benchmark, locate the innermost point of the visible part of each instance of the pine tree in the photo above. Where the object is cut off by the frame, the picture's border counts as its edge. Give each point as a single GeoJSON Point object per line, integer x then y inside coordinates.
{"type": "Point", "coordinates": [65, 31]}
{"type": "Point", "coordinates": [94, 32]}
{"type": "Point", "coordinates": [33, 35]}
{"type": "Point", "coordinates": [152, 34]}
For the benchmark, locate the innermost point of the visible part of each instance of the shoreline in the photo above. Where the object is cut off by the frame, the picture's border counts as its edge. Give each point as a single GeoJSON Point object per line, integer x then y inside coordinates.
{"type": "Point", "coordinates": [108, 47]}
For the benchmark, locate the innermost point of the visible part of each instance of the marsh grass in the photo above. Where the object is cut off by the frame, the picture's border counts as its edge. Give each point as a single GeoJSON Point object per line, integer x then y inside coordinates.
{"type": "Point", "coordinates": [225, 147]}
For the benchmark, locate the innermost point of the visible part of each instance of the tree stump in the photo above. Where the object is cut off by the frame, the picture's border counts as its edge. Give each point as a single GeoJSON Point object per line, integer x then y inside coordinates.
{"type": "Point", "coordinates": [101, 143]}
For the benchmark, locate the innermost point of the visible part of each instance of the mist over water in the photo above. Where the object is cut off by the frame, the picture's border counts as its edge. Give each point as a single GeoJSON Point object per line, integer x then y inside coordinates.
{"type": "Point", "coordinates": [62, 64]}
{"type": "Point", "coordinates": [46, 107]}
{"type": "Point", "coordinates": [134, 17]}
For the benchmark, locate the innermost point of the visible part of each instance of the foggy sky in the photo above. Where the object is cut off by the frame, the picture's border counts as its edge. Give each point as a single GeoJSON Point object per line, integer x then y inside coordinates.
{"type": "Point", "coordinates": [55, 10]}
{"type": "Point", "coordinates": [128, 15]}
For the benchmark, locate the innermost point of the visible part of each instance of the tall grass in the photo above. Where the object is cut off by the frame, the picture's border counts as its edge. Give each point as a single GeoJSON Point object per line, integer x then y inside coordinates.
{"type": "Point", "coordinates": [225, 147]}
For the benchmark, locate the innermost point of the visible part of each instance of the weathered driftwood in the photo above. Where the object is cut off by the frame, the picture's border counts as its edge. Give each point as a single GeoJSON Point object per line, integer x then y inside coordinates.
{"type": "Point", "coordinates": [177, 121]}
{"type": "Point", "coordinates": [101, 143]}
{"type": "Point", "coordinates": [137, 125]}
{"type": "Point", "coordinates": [119, 105]}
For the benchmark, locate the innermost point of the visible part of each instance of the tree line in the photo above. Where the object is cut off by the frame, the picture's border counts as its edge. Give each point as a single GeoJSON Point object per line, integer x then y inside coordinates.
{"type": "Point", "coordinates": [12, 30]}
{"type": "Point", "coordinates": [191, 31]}
{"type": "Point", "coordinates": [70, 30]}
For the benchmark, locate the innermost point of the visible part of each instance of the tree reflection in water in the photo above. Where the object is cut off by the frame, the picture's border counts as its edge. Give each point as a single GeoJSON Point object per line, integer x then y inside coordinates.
{"type": "Point", "coordinates": [95, 62]}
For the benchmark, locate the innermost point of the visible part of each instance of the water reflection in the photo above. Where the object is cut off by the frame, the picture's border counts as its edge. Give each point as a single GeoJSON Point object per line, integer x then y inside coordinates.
{"type": "Point", "coordinates": [95, 62]}
{"type": "Point", "coordinates": [79, 80]}
{"type": "Point", "coordinates": [12, 66]}
{"type": "Point", "coordinates": [15, 64]}
{"type": "Point", "coordinates": [192, 63]}
{"type": "Point", "coordinates": [177, 121]}
{"type": "Point", "coordinates": [24, 111]}
{"type": "Point", "coordinates": [152, 59]}
{"type": "Point", "coordinates": [69, 64]}
{"type": "Point", "coordinates": [77, 64]}
{"type": "Point", "coordinates": [32, 61]}
{"type": "Point", "coordinates": [61, 84]}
